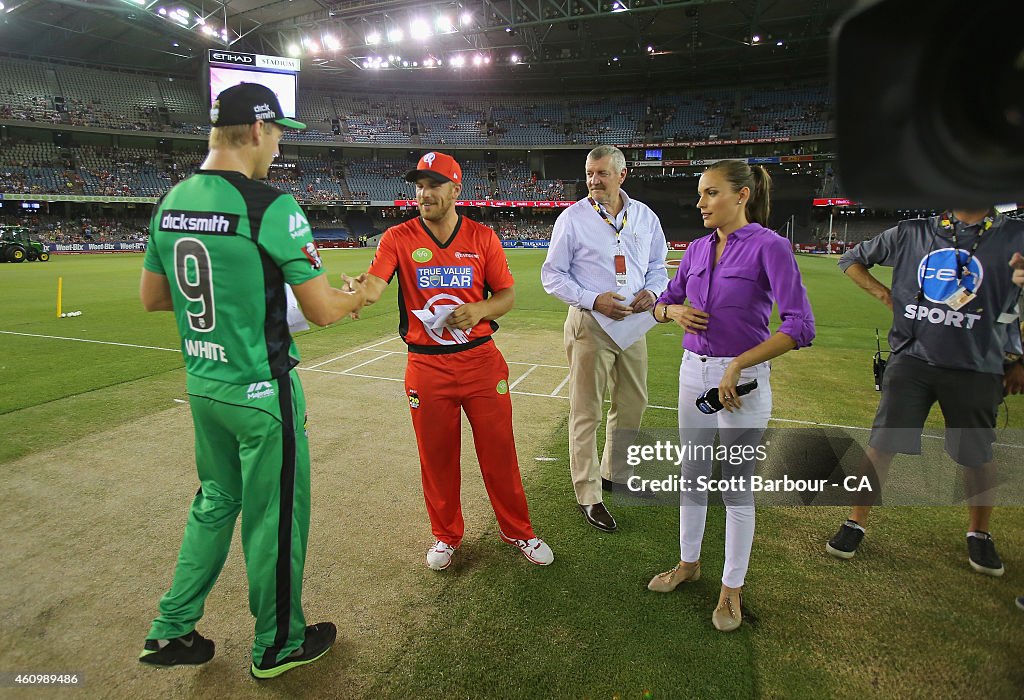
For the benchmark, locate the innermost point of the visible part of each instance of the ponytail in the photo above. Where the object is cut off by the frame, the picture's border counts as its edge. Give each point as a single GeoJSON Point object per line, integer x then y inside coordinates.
{"type": "Point", "coordinates": [759, 204]}
{"type": "Point", "coordinates": [757, 179]}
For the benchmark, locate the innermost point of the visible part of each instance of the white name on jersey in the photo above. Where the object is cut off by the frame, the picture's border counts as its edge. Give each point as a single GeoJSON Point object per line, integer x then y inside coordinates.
{"type": "Point", "coordinates": [205, 350]}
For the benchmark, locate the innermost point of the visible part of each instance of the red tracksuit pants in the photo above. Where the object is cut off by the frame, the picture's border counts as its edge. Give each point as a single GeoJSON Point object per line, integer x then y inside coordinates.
{"type": "Point", "coordinates": [439, 388]}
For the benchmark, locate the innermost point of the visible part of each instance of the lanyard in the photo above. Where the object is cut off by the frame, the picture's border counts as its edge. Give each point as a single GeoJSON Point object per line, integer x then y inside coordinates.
{"type": "Point", "coordinates": [608, 220]}
{"type": "Point", "coordinates": [948, 222]}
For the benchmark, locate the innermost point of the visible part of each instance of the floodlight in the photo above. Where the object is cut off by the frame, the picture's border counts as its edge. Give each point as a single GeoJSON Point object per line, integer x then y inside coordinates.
{"type": "Point", "coordinates": [419, 30]}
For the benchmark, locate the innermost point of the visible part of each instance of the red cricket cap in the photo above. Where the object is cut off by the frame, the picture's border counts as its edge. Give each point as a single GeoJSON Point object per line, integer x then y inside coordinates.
{"type": "Point", "coordinates": [439, 166]}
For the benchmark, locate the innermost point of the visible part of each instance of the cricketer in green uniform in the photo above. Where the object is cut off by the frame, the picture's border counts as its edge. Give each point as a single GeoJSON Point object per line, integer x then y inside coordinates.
{"type": "Point", "coordinates": [222, 247]}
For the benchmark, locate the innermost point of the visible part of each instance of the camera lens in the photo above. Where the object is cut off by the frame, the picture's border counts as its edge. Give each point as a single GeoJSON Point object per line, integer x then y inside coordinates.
{"type": "Point", "coordinates": [972, 97]}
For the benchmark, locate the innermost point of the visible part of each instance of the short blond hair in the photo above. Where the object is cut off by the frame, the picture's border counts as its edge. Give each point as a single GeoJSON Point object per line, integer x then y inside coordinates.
{"type": "Point", "coordinates": [235, 136]}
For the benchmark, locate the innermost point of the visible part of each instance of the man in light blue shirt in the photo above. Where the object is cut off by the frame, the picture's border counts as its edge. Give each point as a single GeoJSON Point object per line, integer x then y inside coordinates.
{"type": "Point", "coordinates": [607, 262]}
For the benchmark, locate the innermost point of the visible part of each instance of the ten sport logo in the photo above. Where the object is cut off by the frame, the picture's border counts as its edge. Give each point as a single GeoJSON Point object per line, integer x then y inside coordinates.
{"type": "Point", "coordinates": [454, 277]}
{"type": "Point", "coordinates": [937, 274]}
{"type": "Point", "coordinates": [952, 277]}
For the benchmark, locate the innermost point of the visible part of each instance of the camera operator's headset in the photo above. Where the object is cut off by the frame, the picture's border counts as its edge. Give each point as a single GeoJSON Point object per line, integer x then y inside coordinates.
{"type": "Point", "coordinates": [948, 223]}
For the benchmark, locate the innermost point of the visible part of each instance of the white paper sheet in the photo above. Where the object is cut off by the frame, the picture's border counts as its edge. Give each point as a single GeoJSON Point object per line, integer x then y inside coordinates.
{"type": "Point", "coordinates": [629, 330]}
{"type": "Point", "coordinates": [296, 321]}
{"type": "Point", "coordinates": [437, 319]}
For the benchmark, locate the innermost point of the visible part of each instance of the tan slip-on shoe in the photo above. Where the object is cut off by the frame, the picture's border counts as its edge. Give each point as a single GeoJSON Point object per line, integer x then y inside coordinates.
{"type": "Point", "coordinates": [728, 616]}
{"type": "Point", "coordinates": [682, 572]}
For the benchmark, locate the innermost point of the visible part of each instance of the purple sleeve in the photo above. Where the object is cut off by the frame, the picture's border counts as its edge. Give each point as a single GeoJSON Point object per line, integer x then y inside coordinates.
{"type": "Point", "coordinates": [789, 292]}
{"type": "Point", "coordinates": [675, 293]}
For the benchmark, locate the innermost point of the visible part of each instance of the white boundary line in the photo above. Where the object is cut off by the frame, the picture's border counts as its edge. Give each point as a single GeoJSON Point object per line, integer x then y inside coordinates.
{"type": "Point", "coordinates": [384, 353]}
{"type": "Point", "coordinates": [86, 340]}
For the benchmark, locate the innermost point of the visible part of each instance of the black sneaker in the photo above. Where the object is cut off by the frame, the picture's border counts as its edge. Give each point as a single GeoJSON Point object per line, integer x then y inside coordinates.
{"type": "Point", "coordinates": [319, 638]}
{"type": "Point", "coordinates": [983, 557]}
{"type": "Point", "coordinates": [1020, 602]}
{"type": "Point", "coordinates": [192, 648]}
{"type": "Point", "coordinates": [845, 542]}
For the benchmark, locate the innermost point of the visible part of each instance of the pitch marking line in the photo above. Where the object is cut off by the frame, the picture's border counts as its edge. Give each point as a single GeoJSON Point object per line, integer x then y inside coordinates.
{"type": "Point", "coordinates": [553, 395]}
{"type": "Point", "coordinates": [559, 388]}
{"type": "Point", "coordinates": [351, 352]}
{"type": "Point", "coordinates": [522, 376]}
{"type": "Point", "coordinates": [381, 356]}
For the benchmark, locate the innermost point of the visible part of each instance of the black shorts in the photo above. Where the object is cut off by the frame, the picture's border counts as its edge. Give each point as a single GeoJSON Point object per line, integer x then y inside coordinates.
{"type": "Point", "coordinates": [969, 402]}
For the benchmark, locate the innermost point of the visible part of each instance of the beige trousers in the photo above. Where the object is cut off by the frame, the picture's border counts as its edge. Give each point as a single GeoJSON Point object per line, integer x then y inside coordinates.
{"type": "Point", "coordinates": [597, 363]}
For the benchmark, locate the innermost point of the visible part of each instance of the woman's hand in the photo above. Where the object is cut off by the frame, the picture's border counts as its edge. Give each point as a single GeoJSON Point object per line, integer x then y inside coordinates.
{"type": "Point", "coordinates": [690, 319]}
{"type": "Point", "coordinates": [727, 388]}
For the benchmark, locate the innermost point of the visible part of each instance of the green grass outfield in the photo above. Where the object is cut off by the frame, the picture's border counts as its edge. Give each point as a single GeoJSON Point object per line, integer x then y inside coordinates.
{"type": "Point", "coordinates": [910, 620]}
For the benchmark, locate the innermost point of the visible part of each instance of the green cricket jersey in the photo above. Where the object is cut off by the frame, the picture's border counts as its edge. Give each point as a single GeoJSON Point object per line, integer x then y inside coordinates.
{"type": "Point", "coordinates": [228, 245]}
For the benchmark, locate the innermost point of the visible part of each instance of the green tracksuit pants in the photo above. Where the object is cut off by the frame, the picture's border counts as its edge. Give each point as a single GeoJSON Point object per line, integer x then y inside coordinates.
{"type": "Point", "coordinates": [252, 456]}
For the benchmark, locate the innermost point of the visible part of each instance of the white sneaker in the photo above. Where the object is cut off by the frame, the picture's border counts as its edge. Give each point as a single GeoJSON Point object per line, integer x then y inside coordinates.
{"type": "Point", "coordinates": [535, 549]}
{"type": "Point", "coordinates": [439, 556]}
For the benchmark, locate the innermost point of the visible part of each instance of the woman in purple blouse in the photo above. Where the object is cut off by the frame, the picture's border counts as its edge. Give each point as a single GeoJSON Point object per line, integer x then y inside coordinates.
{"type": "Point", "coordinates": [722, 297]}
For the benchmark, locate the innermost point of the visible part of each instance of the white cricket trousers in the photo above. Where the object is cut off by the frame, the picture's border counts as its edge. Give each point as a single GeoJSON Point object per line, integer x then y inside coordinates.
{"type": "Point", "coordinates": [734, 430]}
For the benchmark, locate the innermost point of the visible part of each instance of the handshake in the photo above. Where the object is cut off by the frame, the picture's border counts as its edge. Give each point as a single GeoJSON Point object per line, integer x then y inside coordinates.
{"type": "Point", "coordinates": [355, 289]}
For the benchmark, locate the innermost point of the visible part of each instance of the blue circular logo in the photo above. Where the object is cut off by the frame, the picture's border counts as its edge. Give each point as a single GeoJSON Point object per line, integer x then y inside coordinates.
{"type": "Point", "coordinates": [937, 274]}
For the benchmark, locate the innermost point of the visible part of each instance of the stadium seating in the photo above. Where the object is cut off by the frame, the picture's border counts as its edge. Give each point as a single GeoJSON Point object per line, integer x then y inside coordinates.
{"type": "Point", "coordinates": [138, 101]}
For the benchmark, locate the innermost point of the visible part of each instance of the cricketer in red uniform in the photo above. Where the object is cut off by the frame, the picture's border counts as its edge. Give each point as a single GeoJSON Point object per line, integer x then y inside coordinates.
{"type": "Point", "coordinates": [454, 281]}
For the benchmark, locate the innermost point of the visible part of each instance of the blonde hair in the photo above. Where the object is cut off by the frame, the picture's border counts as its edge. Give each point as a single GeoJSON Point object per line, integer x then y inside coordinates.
{"type": "Point", "coordinates": [235, 136]}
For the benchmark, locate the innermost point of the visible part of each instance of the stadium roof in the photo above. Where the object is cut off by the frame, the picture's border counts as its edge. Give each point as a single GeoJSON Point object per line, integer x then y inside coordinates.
{"type": "Point", "coordinates": [542, 45]}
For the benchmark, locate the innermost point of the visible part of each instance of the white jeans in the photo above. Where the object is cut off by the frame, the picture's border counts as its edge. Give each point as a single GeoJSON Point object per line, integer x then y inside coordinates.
{"type": "Point", "coordinates": [740, 428]}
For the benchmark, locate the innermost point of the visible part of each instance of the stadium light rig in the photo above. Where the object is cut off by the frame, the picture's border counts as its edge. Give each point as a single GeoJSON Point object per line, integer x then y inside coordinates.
{"type": "Point", "coordinates": [443, 24]}
{"type": "Point", "coordinates": [419, 30]}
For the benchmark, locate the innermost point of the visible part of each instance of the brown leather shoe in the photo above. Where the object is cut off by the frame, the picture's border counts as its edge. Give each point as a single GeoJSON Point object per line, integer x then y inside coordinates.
{"type": "Point", "coordinates": [682, 572]}
{"type": "Point", "coordinates": [728, 616]}
{"type": "Point", "coordinates": [598, 516]}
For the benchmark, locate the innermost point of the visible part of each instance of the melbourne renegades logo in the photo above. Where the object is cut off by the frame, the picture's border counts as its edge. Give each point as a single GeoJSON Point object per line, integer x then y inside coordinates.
{"type": "Point", "coordinates": [446, 335]}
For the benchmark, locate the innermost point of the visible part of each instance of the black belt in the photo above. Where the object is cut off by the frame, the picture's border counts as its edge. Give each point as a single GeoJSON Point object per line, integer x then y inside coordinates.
{"type": "Point", "coordinates": [448, 349]}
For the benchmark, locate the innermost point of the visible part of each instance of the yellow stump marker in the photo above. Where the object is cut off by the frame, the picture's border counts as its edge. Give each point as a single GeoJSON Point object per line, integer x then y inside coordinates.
{"type": "Point", "coordinates": [60, 290]}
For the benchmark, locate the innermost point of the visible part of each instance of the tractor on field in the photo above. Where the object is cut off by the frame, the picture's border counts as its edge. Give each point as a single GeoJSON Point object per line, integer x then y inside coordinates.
{"type": "Point", "coordinates": [17, 246]}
